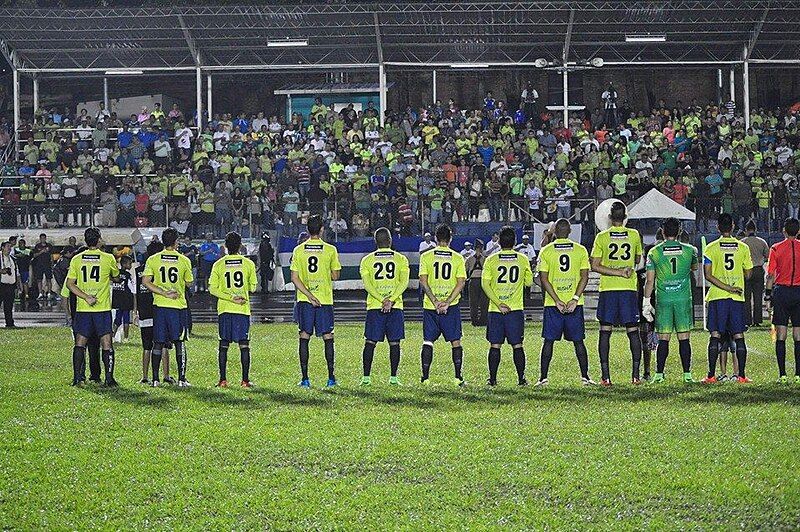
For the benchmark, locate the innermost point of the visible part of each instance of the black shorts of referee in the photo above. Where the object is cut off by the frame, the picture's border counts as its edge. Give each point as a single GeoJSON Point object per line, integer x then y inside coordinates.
{"type": "Point", "coordinates": [786, 306]}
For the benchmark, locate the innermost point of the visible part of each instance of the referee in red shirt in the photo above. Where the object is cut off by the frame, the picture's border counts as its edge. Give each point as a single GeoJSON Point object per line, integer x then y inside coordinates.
{"type": "Point", "coordinates": [783, 273]}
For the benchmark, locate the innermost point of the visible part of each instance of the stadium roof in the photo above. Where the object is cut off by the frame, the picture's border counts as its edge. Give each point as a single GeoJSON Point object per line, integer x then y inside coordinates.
{"type": "Point", "coordinates": [413, 34]}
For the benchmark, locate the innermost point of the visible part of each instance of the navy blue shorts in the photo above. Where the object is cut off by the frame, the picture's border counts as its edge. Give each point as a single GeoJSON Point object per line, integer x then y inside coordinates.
{"type": "Point", "coordinates": [311, 319]}
{"type": "Point", "coordinates": [726, 316]}
{"type": "Point", "coordinates": [169, 324]}
{"type": "Point", "coordinates": [447, 325]}
{"type": "Point", "coordinates": [506, 327]}
{"type": "Point", "coordinates": [234, 327]}
{"type": "Point", "coordinates": [122, 317]}
{"type": "Point", "coordinates": [390, 325]}
{"type": "Point", "coordinates": [571, 326]}
{"type": "Point", "coordinates": [24, 276]}
{"type": "Point", "coordinates": [89, 324]}
{"type": "Point", "coordinates": [618, 307]}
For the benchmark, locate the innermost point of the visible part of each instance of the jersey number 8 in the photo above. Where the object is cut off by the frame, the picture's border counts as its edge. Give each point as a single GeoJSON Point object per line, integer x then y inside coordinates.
{"type": "Point", "coordinates": [512, 273]}
{"type": "Point", "coordinates": [384, 270]}
{"type": "Point", "coordinates": [313, 264]}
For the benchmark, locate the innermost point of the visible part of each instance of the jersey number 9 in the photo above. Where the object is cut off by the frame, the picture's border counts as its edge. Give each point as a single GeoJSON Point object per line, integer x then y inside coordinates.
{"type": "Point", "coordinates": [507, 275]}
{"type": "Point", "coordinates": [384, 270]}
{"type": "Point", "coordinates": [90, 273]}
{"type": "Point", "coordinates": [563, 263]}
{"type": "Point", "coordinates": [234, 279]}
{"type": "Point", "coordinates": [169, 275]}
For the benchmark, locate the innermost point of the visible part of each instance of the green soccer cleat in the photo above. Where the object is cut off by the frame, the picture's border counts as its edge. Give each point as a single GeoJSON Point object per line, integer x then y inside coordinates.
{"type": "Point", "coordinates": [366, 380]}
{"type": "Point", "coordinates": [394, 381]}
{"type": "Point", "coordinates": [425, 382]}
{"type": "Point", "coordinates": [783, 379]}
{"type": "Point", "coordinates": [459, 382]}
{"type": "Point", "coordinates": [797, 379]}
{"type": "Point", "coordinates": [657, 379]}
{"type": "Point", "coordinates": [687, 378]}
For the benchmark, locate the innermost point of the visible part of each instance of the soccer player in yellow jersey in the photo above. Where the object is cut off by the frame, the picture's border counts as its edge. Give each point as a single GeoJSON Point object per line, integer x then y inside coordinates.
{"type": "Point", "coordinates": [89, 277]}
{"type": "Point", "coordinates": [726, 264]}
{"type": "Point", "coordinates": [442, 275]}
{"type": "Point", "coordinates": [564, 273]}
{"type": "Point", "coordinates": [615, 254]}
{"type": "Point", "coordinates": [315, 265]}
{"type": "Point", "coordinates": [385, 274]}
{"type": "Point", "coordinates": [233, 278]}
{"type": "Point", "coordinates": [167, 275]}
{"type": "Point", "coordinates": [504, 278]}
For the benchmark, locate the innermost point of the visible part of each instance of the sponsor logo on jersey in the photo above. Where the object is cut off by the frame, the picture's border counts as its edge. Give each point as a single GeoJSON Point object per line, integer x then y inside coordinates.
{"type": "Point", "coordinates": [232, 263]}
{"type": "Point", "coordinates": [672, 250]}
{"type": "Point", "coordinates": [383, 254]}
{"type": "Point", "coordinates": [729, 245]}
{"type": "Point", "coordinates": [507, 256]}
{"type": "Point", "coordinates": [442, 253]}
{"type": "Point", "coordinates": [313, 247]}
{"type": "Point", "coordinates": [565, 245]}
{"type": "Point", "coordinates": [90, 258]}
{"type": "Point", "coordinates": [169, 258]}
{"type": "Point", "coordinates": [618, 234]}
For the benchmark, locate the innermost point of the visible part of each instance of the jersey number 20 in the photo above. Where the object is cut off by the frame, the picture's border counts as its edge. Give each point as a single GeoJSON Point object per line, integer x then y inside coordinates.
{"type": "Point", "coordinates": [507, 275]}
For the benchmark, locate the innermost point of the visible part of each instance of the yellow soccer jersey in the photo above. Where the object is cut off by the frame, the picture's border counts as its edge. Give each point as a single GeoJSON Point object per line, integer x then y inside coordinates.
{"type": "Point", "coordinates": [504, 278]}
{"type": "Point", "coordinates": [170, 270]}
{"type": "Point", "coordinates": [314, 260]}
{"type": "Point", "coordinates": [385, 274]}
{"type": "Point", "coordinates": [444, 267]}
{"type": "Point", "coordinates": [232, 276]}
{"type": "Point", "coordinates": [563, 260]}
{"type": "Point", "coordinates": [618, 247]}
{"type": "Point", "coordinates": [92, 271]}
{"type": "Point", "coordinates": [729, 258]}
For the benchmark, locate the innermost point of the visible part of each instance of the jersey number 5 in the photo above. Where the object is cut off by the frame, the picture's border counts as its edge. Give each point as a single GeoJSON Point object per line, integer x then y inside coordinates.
{"type": "Point", "coordinates": [384, 270]}
{"type": "Point", "coordinates": [729, 262]}
{"type": "Point", "coordinates": [90, 273]}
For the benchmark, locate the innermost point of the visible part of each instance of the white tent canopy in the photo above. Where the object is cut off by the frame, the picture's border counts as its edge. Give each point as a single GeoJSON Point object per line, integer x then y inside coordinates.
{"type": "Point", "coordinates": [656, 205]}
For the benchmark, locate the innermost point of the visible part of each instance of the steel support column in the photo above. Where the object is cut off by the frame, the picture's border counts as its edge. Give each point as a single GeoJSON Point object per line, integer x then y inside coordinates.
{"type": "Point", "coordinates": [16, 107]}
{"type": "Point", "coordinates": [35, 96]}
{"type": "Point", "coordinates": [210, 99]}
{"type": "Point", "coordinates": [732, 86]}
{"type": "Point", "coordinates": [199, 82]}
{"type": "Point", "coordinates": [381, 91]}
{"type": "Point", "coordinates": [719, 86]}
{"type": "Point", "coordinates": [746, 89]}
{"type": "Point", "coordinates": [435, 96]}
{"type": "Point", "coordinates": [105, 94]}
{"type": "Point", "coordinates": [566, 97]}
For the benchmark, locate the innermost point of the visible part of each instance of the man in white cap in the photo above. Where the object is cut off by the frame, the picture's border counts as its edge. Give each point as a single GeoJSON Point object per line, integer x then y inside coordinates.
{"type": "Point", "coordinates": [427, 244]}
{"type": "Point", "coordinates": [468, 251]}
{"type": "Point", "coordinates": [526, 248]}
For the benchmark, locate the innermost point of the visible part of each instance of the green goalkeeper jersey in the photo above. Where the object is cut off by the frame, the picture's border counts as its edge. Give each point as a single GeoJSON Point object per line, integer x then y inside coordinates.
{"type": "Point", "coordinates": [673, 262]}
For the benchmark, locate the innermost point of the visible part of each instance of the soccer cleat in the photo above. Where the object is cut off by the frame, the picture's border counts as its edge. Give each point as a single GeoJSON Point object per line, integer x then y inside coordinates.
{"type": "Point", "coordinates": [305, 383]}
{"type": "Point", "coordinates": [366, 380]}
{"type": "Point", "coordinates": [144, 381]}
{"type": "Point", "coordinates": [77, 382]}
{"type": "Point", "coordinates": [522, 382]}
{"type": "Point", "coordinates": [743, 380]}
{"type": "Point", "coordinates": [709, 380]}
{"type": "Point", "coordinates": [331, 383]}
{"type": "Point", "coordinates": [425, 382]}
{"type": "Point", "coordinates": [541, 383]}
{"type": "Point", "coordinates": [606, 383]}
{"type": "Point", "coordinates": [586, 381]}
{"type": "Point", "coordinates": [394, 381]}
{"type": "Point", "coordinates": [459, 382]}
{"type": "Point", "coordinates": [95, 380]}
{"type": "Point", "coordinates": [658, 378]}
{"type": "Point", "coordinates": [222, 383]}
{"type": "Point", "coordinates": [687, 378]}
{"type": "Point", "coordinates": [184, 384]}
{"type": "Point", "coordinates": [646, 377]}
{"type": "Point", "coordinates": [783, 379]}
{"type": "Point", "coordinates": [155, 384]}
{"type": "Point", "coordinates": [797, 379]}
{"type": "Point", "coordinates": [636, 382]}
{"type": "Point", "coordinates": [169, 380]}
{"type": "Point", "coordinates": [247, 384]}
{"type": "Point", "coordinates": [111, 383]}
{"type": "Point", "coordinates": [490, 382]}
{"type": "Point", "coordinates": [722, 378]}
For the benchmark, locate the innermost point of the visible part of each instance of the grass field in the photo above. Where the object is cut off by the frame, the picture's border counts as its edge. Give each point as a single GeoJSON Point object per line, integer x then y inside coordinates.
{"type": "Point", "coordinates": [673, 456]}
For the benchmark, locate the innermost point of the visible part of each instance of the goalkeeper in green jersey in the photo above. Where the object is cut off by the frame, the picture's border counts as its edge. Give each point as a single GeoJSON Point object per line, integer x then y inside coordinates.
{"type": "Point", "coordinates": [669, 272]}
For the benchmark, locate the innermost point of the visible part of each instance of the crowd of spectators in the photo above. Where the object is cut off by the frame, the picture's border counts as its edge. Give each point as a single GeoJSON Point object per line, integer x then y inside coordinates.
{"type": "Point", "coordinates": [422, 166]}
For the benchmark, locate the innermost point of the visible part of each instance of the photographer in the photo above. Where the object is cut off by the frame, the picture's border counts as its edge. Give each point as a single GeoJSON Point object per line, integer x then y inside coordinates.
{"type": "Point", "coordinates": [610, 105]}
{"type": "Point", "coordinates": [10, 280]}
{"type": "Point", "coordinates": [266, 262]}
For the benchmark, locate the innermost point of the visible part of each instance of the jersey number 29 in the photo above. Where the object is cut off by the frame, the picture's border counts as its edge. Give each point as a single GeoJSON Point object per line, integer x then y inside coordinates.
{"type": "Point", "coordinates": [384, 270]}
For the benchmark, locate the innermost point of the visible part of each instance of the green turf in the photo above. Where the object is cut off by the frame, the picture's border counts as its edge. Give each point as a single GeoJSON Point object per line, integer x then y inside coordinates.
{"type": "Point", "coordinates": [672, 456]}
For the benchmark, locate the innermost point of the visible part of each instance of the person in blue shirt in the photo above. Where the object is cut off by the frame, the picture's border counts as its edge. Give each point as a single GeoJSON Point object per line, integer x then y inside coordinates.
{"type": "Point", "coordinates": [488, 102]}
{"type": "Point", "coordinates": [682, 143]}
{"type": "Point", "coordinates": [486, 152]}
{"type": "Point", "coordinates": [27, 170]}
{"type": "Point", "coordinates": [714, 180]}
{"type": "Point", "coordinates": [124, 139]}
{"type": "Point", "coordinates": [148, 138]}
{"type": "Point", "coordinates": [209, 253]}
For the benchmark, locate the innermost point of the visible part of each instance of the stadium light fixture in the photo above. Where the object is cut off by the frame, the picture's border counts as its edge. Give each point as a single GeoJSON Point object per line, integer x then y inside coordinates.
{"type": "Point", "coordinates": [123, 72]}
{"type": "Point", "coordinates": [597, 62]}
{"type": "Point", "coordinates": [469, 65]}
{"type": "Point", "coordinates": [540, 63]}
{"type": "Point", "coordinates": [646, 38]}
{"type": "Point", "coordinates": [287, 43]}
